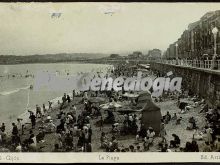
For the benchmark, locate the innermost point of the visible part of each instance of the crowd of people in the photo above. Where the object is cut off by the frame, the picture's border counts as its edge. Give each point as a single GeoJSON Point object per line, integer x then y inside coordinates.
{"type": "Point", "coordinates": [77, 119]}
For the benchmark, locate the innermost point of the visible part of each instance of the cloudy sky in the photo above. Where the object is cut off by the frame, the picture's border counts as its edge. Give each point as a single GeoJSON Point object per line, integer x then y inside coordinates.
{"type": "Point", "coordinates": [27, 29]}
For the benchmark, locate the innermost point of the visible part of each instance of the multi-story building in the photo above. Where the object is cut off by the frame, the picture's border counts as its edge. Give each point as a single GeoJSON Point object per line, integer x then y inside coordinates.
{"type": "Point", "coordinates": [198, 39]}
{"type": "Point", "coordinates": [171, 51]}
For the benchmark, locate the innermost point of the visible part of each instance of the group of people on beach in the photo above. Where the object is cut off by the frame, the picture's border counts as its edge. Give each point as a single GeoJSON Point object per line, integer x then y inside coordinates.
{"type": "Point", "coordinates": [206, 137]}
{"type": "Point", "coordinates": [73, 125]}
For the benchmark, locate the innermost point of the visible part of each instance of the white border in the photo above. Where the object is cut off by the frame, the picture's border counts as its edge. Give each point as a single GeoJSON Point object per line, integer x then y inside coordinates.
{"type": "Point", "coordinates": [105, 157]}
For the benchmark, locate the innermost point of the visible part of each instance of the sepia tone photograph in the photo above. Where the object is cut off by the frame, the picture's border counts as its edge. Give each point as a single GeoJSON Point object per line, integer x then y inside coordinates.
{"type": "Point", "coordinates": [110, 77]}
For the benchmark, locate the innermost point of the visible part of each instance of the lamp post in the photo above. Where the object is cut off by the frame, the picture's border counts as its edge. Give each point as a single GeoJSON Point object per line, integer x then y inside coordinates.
{"type": "Point", "coordinates": [214, 32]}
{"type": "Point", "coordinates": [176, 53]}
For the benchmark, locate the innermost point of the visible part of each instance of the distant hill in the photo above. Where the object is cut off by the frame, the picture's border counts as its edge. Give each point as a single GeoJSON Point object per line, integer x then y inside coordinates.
{"type": "Point", "coordinates": [49, 58]}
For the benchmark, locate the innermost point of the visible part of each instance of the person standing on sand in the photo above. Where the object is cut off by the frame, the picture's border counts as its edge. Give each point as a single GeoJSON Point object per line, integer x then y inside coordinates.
{"type": "Point", "coordinates": [74, 94]}
{"type": "Point", "coordinates": [103, 140]}
{"type": "Point", "coordinates": [20, 125]}
{"type": "Point", "coordinates": [14, 129]}
{"type": "Point", "coordinates": [44, 109]}
{"type": "Point", "coordinates": [101, 123]}
{"type": "Point", "coordinates": [209, 132]}
{"type": "Point", "coordinates": [3, 127]}
{"type": "Point", "coordinates": [86, 137]}
{"type": "Point", "coordinates": [38, 111]}
{"type": "Point", "coordinates": [163, 132]}
{"type": "Point", "coordinates": [85, 96]}
{"type": "Point", "coordinates": [33, 120]}
{"type": "Point", "coordinates": [50, 104]}
{"type": "Point", "coordinates": [64, 98]}
{"type": "Point", "coordinates": [73, 109]}
{"type": "Point", "coordinates": [15, 138]}
{"type": "Point", "coordinates": [68, 99]}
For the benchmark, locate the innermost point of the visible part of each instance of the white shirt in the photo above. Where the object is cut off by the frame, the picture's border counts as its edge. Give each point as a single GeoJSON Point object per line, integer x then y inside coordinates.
{"type": "Point", "coordinates": [150, 134]}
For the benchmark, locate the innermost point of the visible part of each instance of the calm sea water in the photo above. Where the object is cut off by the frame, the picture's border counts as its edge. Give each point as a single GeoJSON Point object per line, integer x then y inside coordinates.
{"type": "Point", "coordinates": [15, 95]}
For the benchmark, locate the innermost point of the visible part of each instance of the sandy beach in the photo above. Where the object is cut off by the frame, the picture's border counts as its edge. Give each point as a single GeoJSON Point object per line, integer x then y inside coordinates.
{"type": "Point", "coordinates": [124, 141]}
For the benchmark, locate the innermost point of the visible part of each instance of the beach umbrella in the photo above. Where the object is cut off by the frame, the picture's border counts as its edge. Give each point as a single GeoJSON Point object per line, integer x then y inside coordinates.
{"type": "Point", "coordinates": [110, 105]}
{"type": "Point", "coordinates": [104, 106]}
{"type": "Point", "coordinates": [143, 70]}
{"type": "Point", "coordinates": [97, 99]}
{"type": "Point", "coordinates": [133, 66]}
{"type": "Point", "coordinates": [127, 111]}
{"type": "Point", "coordinates": [130, 95]}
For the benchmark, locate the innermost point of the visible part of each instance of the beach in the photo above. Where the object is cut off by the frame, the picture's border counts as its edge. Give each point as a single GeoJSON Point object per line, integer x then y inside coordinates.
{"type": "Point", "coordinates": [15, 81]}
{"type": "Point", "coordinates": [63, 125]}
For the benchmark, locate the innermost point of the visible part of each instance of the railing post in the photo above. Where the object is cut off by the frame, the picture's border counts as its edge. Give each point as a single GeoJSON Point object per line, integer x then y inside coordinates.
{"type": "Point", "coordinates": [218, 64]}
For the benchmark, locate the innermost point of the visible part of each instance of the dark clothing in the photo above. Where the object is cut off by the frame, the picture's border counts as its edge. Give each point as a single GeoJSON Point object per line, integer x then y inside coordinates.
{"type": "Point", "coordinates": [15, 130]}
{"type": "Point", "coordinates": [175, 142]}
{"type": "Point", "coordinates": [15, 139]}
{"type": "Point", "coordinates": [90, 135]}
{"type": "Point", "coordinates": [3, 128]}
{"type": "Point", "coordinates": [69, 141]}
{"type": "Point", "coordinates": [33, 120]}
{"type": "Point", "coordinates": [88, 148]}
{"type": "Point", "coordinates": [68, 99]}
{"type": "Point", "coordinates": [64, 99]}
{"type": "Point", "coordinates": [80, 141]}
{"type": "Point", "coordinates": [143, 132]}
{"type": "Point", "coordinates": [38, 112]}
{"type": "Point", "coordinates": [40, 136]}
{"type": "Point", "coordinates": [61, 127]}
{"type": "Point", "coordinates": [182, 105]}
{"type": "Point", "coordinates": [194, 148]}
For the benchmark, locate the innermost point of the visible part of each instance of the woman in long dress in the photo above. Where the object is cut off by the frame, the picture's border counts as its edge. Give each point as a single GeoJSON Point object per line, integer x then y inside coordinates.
{"type": "Point", "coordinates": [209, 135]}
{"type": "Point", "coordinates": [163, 132]}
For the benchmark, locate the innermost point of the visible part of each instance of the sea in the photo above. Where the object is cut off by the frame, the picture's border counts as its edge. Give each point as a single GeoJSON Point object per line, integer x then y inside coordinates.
{"type": "Point", "coordinates": [16, 97]}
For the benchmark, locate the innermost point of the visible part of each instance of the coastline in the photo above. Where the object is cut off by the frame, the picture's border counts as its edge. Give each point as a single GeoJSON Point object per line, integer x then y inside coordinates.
{"type": "Point", "coordinates": [25, 114]}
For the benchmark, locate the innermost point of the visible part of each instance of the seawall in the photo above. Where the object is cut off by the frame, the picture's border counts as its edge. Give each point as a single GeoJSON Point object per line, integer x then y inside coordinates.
{"type": "Point", "coordinates": [203, 82]}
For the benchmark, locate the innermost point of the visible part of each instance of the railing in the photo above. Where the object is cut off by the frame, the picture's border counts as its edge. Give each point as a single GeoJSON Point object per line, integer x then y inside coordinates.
{"type": "Point", "coordinates": [207, 64]}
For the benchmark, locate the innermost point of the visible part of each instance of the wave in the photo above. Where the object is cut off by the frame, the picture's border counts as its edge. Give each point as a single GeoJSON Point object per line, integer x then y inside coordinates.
{"type": "Point", "coordinates": [25, 115]}
{"type": "Point", "coordinates": [5, 93]}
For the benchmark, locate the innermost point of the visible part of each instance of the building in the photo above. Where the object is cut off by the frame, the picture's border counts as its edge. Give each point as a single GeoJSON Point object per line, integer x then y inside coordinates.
{"type": "Point", "coordinates": [154, 54]}
{"type": "Point", "coordinates": [198, 39]}
{"type": "Point", "coordinates": [135, 55]}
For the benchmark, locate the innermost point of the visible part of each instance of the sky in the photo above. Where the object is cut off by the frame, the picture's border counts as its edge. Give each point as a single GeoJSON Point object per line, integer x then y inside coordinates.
{"type": "Point", "coordinates": [28, 28]}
